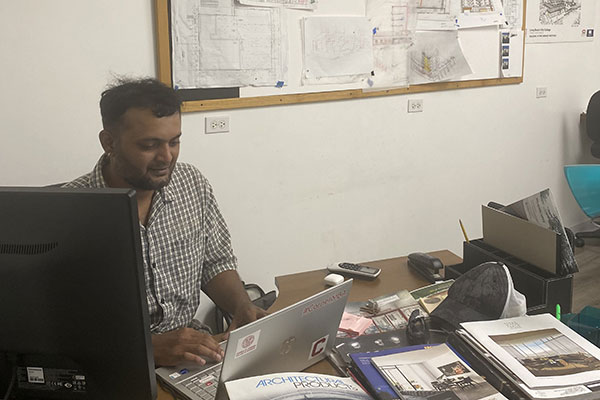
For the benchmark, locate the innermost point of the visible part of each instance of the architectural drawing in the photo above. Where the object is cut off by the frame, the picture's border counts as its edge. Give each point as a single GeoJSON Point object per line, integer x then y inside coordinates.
{"type": "Point", "coordinates": [437, 14]}
{"type": "Point", "coordinates": [560, 12]}
{"type": "Point", "coordinates": [513, 12]}
{"type": "Point", "coordinates": [430, 65]}
{"type": "Point", "coordinates": [477, 5]}
{"type": "Point", "coordinates": [217, 44]}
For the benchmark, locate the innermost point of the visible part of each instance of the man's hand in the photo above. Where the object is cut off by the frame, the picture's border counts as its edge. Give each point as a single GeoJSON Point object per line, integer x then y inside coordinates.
{"type": "Point", "coordinates": [186, 344]}
{"type": "Point", "coordinates": [246, 313]}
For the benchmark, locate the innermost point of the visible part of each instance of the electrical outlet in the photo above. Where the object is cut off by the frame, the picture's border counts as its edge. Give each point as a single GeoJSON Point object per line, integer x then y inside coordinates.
{"type": "Point", "coordinates": [541, 91]}
{"type": "Point", "coordinates": [217, 124]}
{"type": "Point", "coordinates": [415, 105]}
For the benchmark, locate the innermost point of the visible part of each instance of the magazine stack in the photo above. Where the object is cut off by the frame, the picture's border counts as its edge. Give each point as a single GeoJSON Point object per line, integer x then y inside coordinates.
{"type": "Point", "coordinates": [537, 356]}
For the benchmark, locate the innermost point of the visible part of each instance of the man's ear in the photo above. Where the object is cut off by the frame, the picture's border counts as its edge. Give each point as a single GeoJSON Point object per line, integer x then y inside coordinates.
{"type": "Point", "coordinates": [107, 141]}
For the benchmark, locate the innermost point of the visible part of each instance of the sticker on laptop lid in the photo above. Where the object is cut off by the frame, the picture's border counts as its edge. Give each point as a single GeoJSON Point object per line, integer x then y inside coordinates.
{"type": "Point", "coordinates": [324, 302]}
{"type": "Point", "coordinates": [318, 347]}
{"type": "Point", "coordinates": [247, 344]}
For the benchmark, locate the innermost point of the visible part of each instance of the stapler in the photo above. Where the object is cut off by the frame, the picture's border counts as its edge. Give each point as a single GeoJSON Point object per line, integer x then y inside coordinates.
{"type": "Point", "coordinates": [426, 265]}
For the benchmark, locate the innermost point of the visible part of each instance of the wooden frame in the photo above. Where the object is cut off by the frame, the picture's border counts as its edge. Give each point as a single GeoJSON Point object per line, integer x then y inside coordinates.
{"type": "Point", "coordinates": [165, 75]}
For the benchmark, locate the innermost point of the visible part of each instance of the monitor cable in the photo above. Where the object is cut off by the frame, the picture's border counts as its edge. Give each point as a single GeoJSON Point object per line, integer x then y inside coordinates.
{"type": "Point", "coordinates": [13, 379]}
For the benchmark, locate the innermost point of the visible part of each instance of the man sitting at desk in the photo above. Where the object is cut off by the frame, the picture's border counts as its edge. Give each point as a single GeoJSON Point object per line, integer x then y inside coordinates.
{"type": "Point", "coordinates": [185, 242]}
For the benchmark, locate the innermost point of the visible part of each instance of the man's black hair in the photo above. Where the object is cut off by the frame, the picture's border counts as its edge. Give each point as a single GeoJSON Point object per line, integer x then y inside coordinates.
{"type": "Point", "coordinates": [145, 93]}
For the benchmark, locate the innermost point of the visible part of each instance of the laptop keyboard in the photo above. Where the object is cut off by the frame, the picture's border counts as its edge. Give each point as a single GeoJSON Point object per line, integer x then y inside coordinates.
{"type": "Point", "coordinates": [204, 385]}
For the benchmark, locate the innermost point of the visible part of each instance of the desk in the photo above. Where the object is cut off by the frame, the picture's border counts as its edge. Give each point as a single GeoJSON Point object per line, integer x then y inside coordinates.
{"type": "Point", "coordinates": [395, 275]}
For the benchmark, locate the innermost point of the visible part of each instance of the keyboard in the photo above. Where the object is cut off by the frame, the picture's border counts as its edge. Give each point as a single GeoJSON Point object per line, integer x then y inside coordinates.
{"type": "Point", "coordinates": [204, 385]}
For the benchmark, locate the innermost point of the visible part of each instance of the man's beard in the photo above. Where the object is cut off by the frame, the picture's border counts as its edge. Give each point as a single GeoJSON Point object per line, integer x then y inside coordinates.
{"type": "Point", "coordinates": [137, 180]}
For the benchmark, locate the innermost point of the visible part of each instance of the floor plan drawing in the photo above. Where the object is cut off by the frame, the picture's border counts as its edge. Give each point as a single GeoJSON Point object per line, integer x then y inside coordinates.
{"type": "Point", "coordinates": [560, 12]}
{"type": "Point", "coordinates": [513, 11]}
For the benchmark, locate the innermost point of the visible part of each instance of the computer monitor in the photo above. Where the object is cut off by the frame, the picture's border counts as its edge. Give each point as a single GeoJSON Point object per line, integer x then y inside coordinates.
{"type": "Point", "coordinates": [74, 320]}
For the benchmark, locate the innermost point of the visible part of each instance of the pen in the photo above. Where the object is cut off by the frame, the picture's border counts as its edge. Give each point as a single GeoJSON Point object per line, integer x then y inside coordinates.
{"type": "Point", "coordinates": [463, 231]}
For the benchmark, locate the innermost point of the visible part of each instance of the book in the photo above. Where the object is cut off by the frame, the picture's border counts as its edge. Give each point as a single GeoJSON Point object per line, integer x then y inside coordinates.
{"type": "Point", "coordinates": [295, 385]}
{"type": "Point", "coordinates": [423, 373]}
{"type": "Point", "coordinates": [430, 296]}
{"type": "Point", "coordinates": [370, 377]}
{"type": "Point", "coordinates": [544, 357]}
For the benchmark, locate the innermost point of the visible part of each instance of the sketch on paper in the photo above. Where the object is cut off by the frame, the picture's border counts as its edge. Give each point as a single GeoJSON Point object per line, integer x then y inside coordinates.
{"type": "Point", "coordinates": [437, 14]}
{"type": "Point", "coordinates": [513, 12]}
{"type": "Point", "coordinates": [560, 12]}
{"type": "Point", "coordinates": [477, 6]}
{"type": "Point", "coordinates": [437, 56]}
{"type": "Point", "coordinates": [337, 47]}
{"type": "Point", "coordinates": [217, 44]}
{"type": "Point", "coordinates": [393, 23]}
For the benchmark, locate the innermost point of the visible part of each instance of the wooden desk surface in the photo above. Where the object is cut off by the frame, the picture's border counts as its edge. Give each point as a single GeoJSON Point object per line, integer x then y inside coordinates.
{"type": "Point", "coordinates": [395, 275]}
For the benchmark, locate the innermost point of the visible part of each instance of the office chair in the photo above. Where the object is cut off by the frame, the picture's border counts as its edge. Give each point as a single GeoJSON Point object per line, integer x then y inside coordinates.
{"type": "Point", "coordinates": [584, 179]}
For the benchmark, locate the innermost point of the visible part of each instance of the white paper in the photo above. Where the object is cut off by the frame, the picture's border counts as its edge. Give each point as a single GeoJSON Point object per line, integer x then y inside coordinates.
{"type": "Point", "coordinates": [511, 53]}
{"type": "Point", "coordinates": [539, 349]}
{"type": "Point", "coordinates": [437, 14]}
{"type": "Point", "coordinates": [436, 57]}
{"type": "Point", "coordinates": [476, 13]}
{"type": "Point", "coordinates": [560, 20]}
{"type": "Point", "coordinates": [513, 12]}
{"type": "Point", "coordinates": [225, 45]}
{"type": "Point", "coordinates": [393, 23]}
{"type": "Point", "coordinates": [337, 47]}
{"type": "Point", "coordinates": [300, 4]}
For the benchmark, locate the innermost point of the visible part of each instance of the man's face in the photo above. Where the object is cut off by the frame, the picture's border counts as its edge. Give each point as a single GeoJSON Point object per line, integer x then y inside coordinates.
{"type": "Point", "coordinates": [145, 148]}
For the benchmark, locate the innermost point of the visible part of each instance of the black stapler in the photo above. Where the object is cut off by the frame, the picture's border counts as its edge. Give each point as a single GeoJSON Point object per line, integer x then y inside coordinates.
{"type": "Point", "coordinates": [426, 265]}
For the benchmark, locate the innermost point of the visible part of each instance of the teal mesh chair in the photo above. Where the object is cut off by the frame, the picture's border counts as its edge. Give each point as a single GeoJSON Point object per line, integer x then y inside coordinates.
{"type": "Point", "coordinates": [584, 181]}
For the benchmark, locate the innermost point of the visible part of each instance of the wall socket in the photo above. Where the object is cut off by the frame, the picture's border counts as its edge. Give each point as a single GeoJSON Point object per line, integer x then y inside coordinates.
{"type": "Point", "coordinates": [415, 105]}
{"type": "Point", "coordinates": [541, 91]}
{"type": "Point", "coordinates": [217, 124]}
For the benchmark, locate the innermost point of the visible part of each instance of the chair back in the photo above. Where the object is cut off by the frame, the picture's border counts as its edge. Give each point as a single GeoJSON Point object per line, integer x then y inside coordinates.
{"type": "Point", "coordinates": [584, 181]}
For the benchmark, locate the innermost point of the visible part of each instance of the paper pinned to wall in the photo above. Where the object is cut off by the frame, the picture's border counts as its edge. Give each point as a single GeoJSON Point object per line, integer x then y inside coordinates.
{"type": "Point", "coordinates": [299, 4]}
{"type": "Point", "coordinates": [393, 23]}
{"type": "Point", "coordinates": [337, 49]}
{"type": "Point", "coordinates": [437, 14]}
{"type": "Point", "coordinates": [511, 52]}
{"type": "Point", "coordinates": [560, 20]}
{"type": "Point", "coordinates": [436, 57]}
{"type": "Point", "coordinates": [513, 12]}
{"type": "Point", "coordinates": [218, 44]}
{"type": "Point", "coordinates": [477, 13]}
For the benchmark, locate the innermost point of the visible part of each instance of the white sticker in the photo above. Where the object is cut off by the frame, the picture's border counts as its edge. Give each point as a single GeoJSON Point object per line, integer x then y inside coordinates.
{"type": "Point", "coordinates": [175, 375]}
{"type": "Point", "coordinates": [318, 347]}
{"type": "Point", "coordinates": [247, 344]}
{"type": "Point", "coordinates": [35, 375]}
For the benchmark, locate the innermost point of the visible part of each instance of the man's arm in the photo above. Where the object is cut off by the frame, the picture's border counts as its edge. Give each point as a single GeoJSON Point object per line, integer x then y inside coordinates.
{"type": "Point", "coordinates": [227, 291]}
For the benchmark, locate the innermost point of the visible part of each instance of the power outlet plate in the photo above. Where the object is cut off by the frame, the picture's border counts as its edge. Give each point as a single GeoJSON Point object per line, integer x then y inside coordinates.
{"type": "Point", "coordinates": [541, 92]}
{"type": "Point", "coordinates": [415, 105]}
{"type": "Point", "coordinates": [217, 124]}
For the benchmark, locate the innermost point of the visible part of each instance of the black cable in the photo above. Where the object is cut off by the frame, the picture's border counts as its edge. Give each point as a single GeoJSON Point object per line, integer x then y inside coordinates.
{"type": "Point", "coordinates": [13, 379]}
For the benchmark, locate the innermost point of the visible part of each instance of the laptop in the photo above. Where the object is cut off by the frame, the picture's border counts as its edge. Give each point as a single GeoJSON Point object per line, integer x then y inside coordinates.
{"type": "Point", "coordinates": [288, 340]}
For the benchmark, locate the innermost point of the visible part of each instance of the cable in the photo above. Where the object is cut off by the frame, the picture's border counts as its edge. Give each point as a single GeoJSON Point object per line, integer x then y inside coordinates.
{"type": "Point", "coordinates": [13, 379]}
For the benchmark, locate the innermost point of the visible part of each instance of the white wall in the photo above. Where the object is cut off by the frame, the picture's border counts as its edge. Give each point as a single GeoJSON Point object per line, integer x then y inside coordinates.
{"type": "Point", "coordinates": [302, 185]}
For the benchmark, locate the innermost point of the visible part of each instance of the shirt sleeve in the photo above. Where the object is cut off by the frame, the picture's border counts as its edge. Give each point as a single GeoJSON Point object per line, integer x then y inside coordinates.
{"type": "Point", "coordinates": [219, 255]}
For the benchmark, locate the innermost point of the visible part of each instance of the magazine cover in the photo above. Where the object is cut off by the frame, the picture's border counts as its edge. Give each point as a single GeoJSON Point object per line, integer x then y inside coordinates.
{"type": "Point", "coordinates": [425, 372]}
{"type": "Point", "coordinates": [294, 386]}
{"type": "Point", "coordinates": [539, 349]}
{"type": "Point", "coordinates": [374, 380]}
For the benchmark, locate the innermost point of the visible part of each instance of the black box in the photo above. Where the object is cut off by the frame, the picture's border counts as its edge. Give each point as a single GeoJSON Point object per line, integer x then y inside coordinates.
{"type": "Point", "coordinates": [542, 289]}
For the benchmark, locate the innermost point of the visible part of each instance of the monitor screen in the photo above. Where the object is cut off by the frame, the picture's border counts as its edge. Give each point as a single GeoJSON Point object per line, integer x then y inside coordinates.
{"type": "Point", "coordinates": [73, 314]}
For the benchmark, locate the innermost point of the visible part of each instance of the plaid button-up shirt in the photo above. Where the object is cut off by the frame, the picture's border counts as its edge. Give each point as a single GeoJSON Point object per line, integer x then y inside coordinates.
{"type": "Point", "coordinates": [185, 244]}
